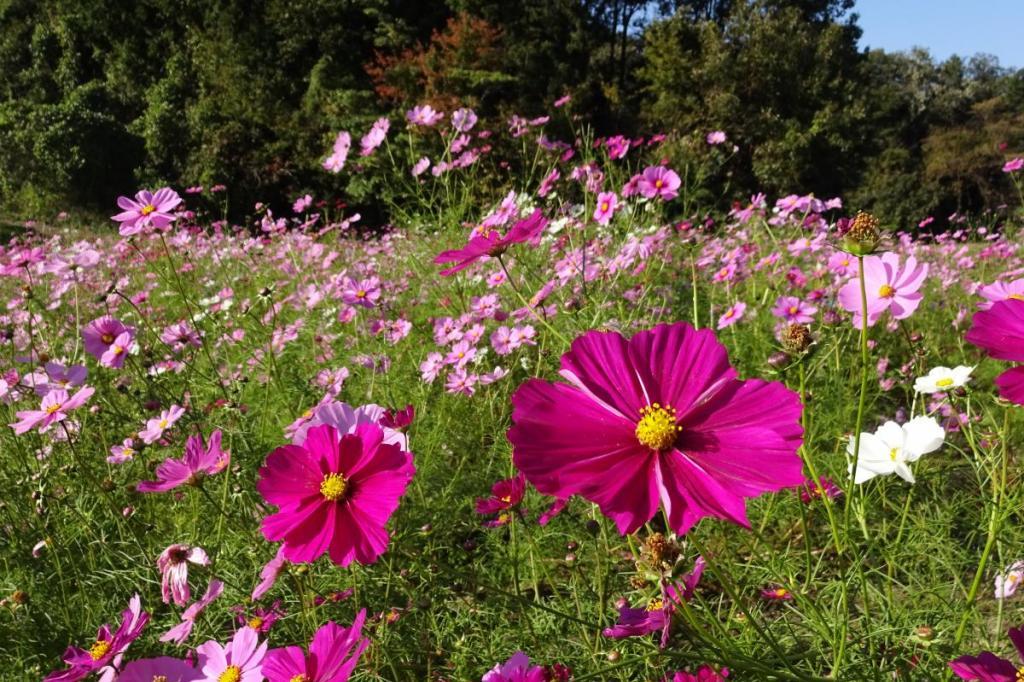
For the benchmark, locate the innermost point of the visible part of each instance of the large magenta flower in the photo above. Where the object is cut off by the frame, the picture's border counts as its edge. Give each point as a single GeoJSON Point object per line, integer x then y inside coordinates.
{"type": "Point", "coordinates": [106, 651]}
{"type": "Point", "coordinates": [1000, 331]}
{"type": "Point", "coordinates": [663, 418]}
{"type": "Point", "coordinates": [333, 655]}
{"type": "Point", "coordinates": [147, 209]}
{"type": "Point", "coordinates": [887, 287]}
{"type": "Point", "coordinates": [335, 494]}
{"type": "Point", "coordinates": [988, 667]}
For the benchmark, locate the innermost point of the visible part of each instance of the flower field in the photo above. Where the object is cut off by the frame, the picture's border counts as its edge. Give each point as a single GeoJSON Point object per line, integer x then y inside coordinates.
{"type": "Point", "coordinates": [556, 422]}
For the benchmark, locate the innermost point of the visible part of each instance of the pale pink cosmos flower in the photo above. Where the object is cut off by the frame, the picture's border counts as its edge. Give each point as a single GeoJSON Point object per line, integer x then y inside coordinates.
{"type": "Point", "coordinates": [156, 427]}
{"type": "Point", "coordinates": [180, 632]}
{"type": "Point", "coordinates": [1013, 165]}
{"type": "Point", "coordinates": [463, 119]}
{"type": "Point", "coordinates": [431, 367]}
{"type": "Point", "coordinates": [346, 418]}
{"type": "Point", "coordinates": [375, 138]}
{"type": "Point", "coordinates": [1001, 291]}
{"type": "Point", "coordinates": [173, 564]}
{"type": "Point", "coordinates": [607, 204]}
{"type": "Point", "coordinates": [125, 452]}
{"type": "Point", "coordinates": [302, 203]}
{"type": "Point", "coordinates": [61, 376]}
{"type": "Point", "coordinates": [116, 353]}
{"type": "Point", "coordinates": [424, 115]}
{"type": "Point", "coordinates": [1008, 581]}
{"type": "Point", "coordinates": [336, 161]}
{"type": "Point", "coordinates": [793, 310]}
{"type": "Point", "coordinates": [147, 209]}
{"type": "Point", "coordinates": [239, 661]}
{"type": "Point", "coordinates": [732, 315]}
{"type": "Point", "coordinates": [658, 181]}
{"type": "Point", "coordinates": [716, 137]}
{"type": "Point", "coordinates": [269, 573]}
{"type": "Point", "coordinates": [888, 287]}
{"type": "Point", "coordinates": [52, 410]}
{"type": "Point", "coordinates": [420, 166]}
{"type": "Point", "coordinates": [100, 334]}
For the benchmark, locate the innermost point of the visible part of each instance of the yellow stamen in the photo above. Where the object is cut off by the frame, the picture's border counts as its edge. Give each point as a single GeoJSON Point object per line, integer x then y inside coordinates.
{"type": "Point", "coordinates": [604, 206]}
{"type": "Point", "coordinates": [255, 622]}
{"type": "Point", "coordinates": [100, 649]}
{"type": "Point", "coordinates": [893, 453]}
{"type": "Point", "coordinates": [163, 424]}
{"type": "Point", "coordinates": [333, 487]}
{"type": "Point", "coordinates": [299, 678]}
{"type": "Point", "coordinates": [231, 674]}
{"type": "Point", "coordinates": [658, 183]}
{"type": "Point", "coordinates": [793, 310]}
{"type": "Point", "coordinates": [147, 209]}
{"type": "Point", "coordinates": [107, 339]}
{"type": "Point", "coordinates": [657, 428]}
{"type": "Point", "coordinates": [1016, 297]}
{"type": "Point", "coordinates": [656, 604]}
{"type": "Point", "coordinates": [781, 592]}
{"type": "Point", "coordinates": [886, 291]}
{"type": "Point", "coordinates": [360, 294]}
{"type": "Point", "coordinates": [53, 408]}
{"type": "Point", "coordinates": [942, 383]}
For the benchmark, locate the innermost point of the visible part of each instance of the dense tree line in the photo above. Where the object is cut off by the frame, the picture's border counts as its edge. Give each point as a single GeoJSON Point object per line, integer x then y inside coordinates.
{"type": "Point", "coordinates": [98, 97]}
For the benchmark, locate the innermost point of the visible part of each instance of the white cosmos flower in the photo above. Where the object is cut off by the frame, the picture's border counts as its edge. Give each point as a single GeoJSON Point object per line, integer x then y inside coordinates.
{"type": "Point", "coordinates": [943, 379]}
{"type": "Point", "coordinates": [892, 447]}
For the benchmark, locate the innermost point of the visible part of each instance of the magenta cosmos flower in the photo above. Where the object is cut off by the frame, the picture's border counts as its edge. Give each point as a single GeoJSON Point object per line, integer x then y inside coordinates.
{"type": "Point", "coordinates": [333, 654]}
{"type": "Point", "coordinates": [505, 497]}
{"type": "Point", "coordinates": [492, 244]}
{"type": "Point", "coordinates": [239, 661]}
{"type": "Point", "coordinates": [793, 310]}
{"type": "Point", "coordinates": [607, 204]}
{"type": "Point", "coordinates": [1000, 331]}
{"type": "Point", "coordinates": [659, 181]}
{"type": "Point", "coordinates": [988, 667]}
{"type": "Point", "coordinates": [516, 669]}
{"type": "Point", "coordinates": [200, 460]}
{"type": "Point", "coordinates": [888, 287]}
{"type": "Point", "coordinates": [660, 418]}
{"type": "Point", "coordinates": [147, 209]}
{"type": "Point", "coordinates": [101, 334]}
{"type": "Point", "coordinates": [163, 668]}
{"type": "Point", "coordinates": [657, 615]}
{"type": "Point", "coordinates": [335, 494]}
{"type": "Point", "coordinates": [704, 674]}
{"type": "Point", "coordinates": [52, 410]}
{"type": "Point", "coordinates": [108, 647]}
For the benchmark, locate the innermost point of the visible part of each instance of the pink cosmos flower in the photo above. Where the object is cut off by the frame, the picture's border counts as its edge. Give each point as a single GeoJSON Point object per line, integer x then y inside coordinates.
{"type": "Point", "coordinates": [1000, 291]}
{"type": "Point", "coordinates": [420, 166]}
{"type": "Point", "coordinates": [346, 418]}
{"type": "Point", "coordinates": [732, 315]}
{"type": "Point", "coordinates": [659, 418]}
{"type": "Point", "coordinates": [842, 263]}
{"type": "Point", "coordinates": [1009, 580]}
{"type": "Point", "coordinates": [61, 376]}
{"type": "Point", "coordinates": [200, 460]}
{"type": "Point", "coordinates": [302, 203]}
{"type": "Point", "coordinates": [365, 293]}
{"type": "Point", "coordinates": [607, 204]}
{"type": "Point", "coordinates": [492, 244]}
{"type": "Point", "coordinates": [704, 674]}
{"type": "Point", "coordinates": [988, 667]}
{"type": "Point", "coordinates": [463, 120]}
{"type": "Point", "coordinates": [888, 287]}
{"type": "Point", "coordinates": [117, 351]}
{"type": "Point", "coordinates": [147, 209]}
{"type": "Point", "coordinates": [506, 495]}
{"type": "Point", "coordinates": [156, 427]}
{"type": "Point", "coordinates": [333, 655]}
{"type": "Point", "coordinates": [336, 161]}
{"type": "Point", "coordinates": [516, 669]}
{"type": "Point", "coordinates": [162, 668]}
{"type": "Point", "coordinates": [1000, 332]}
{"type": "Point", "coordinates": [335, 494]}
{"type": "Point", "coordinates": [715, 137]}
{"type": "Point", "coordinates": [270, 573]}
{"type": "Point", "coordinates": [777, 593]}
{"type": "Point", "coordinates": [125, 452]}
{"type": "Point", "coordinates": [793, 310]}
{"type": "Point", "coordinates": [824, 487]}
{"type": "Point", "coordinates": [52, 410]}
{"type": "Point", "coordinates": [657, 615]}
{"type": "Point", "coordinates": [658, 181]}
{"type": "Point", "coordinates": [100, 334]}
{"type": "Point", "coordinates": [173, 565]}
{"type": "Point", "coordinates": [239, 661]}
{"type": "Point", "coordinates": [424, 115]}
{"type": "Point", "coordinates": [180, 335]}
{"type": "Point", "coordinates": [1013, 165]}
{"type": "Point", "coordinates": [107, 649]}
{"type": "Point", "coordinates": [375, 138]}
{"type": "Point", "coordinates": [180, 632]}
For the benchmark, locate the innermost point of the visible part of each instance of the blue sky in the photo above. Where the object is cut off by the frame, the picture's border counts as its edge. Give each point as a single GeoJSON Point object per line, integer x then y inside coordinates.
{"type": "Point", "coordinates": [946, 27]}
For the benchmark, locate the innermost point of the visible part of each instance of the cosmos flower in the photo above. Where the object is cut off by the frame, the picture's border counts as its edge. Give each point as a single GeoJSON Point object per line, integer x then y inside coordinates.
{"type": "Point", "coordinates": [108, 647]}
{"type": "Point", "coordinates": [463, 120]}
{"type": "Point", "coordinates": [163, 668]}
{"type": "Point", "coordinates": [375, 137]}
{"type": "Point", "coordinates": [887, 286]}
{"type": "Point", "coordinates": [943, 379]}
{"type": "Point", "coordinates": [1013, 165]}
{"type": "Point", "coordinates": [52, 410]}
{"type": "Point", "coordinates": [173, 565]}
{"type": "Point", "coordinates": [339, 153]}
{"type": "Point", "coordinates": [333, 654]}
{"type": "Point", "coordinates": [200, 460]}
{"type": "Point", "coordinates": [516, 669]}
{"type": "Point", "coordinates": [732, 315]}
{"type": "Point", "coordinates": [180, 632]}
{"type": "Point", "coordinates": [704, 674]}
{"type": "Point", "coordinates": [335, 494]}
{"type": "Point", "coordinates": [346, 418]}
{"type": "Point", "coordinates": [1000, 291]}
{"type": "Point", "coordinates": [715, 137]}
{"type": "Point", "coordinates": [669, 411]}
{"type": "Point", "coordinates": [155, 427]}
{"type": "Point", "coordinates": [658, 181]}
{"type": "Point", "coordinates": [987, 667]}
{"type": "Point", "coordinates": [423, 115]}
{"type": "Point", "coordinates": [100, 334]}
{"type": "Point", "coordinates": [1000, 332]}
{"type": "Point", "coordinates": [506, 495]}
{"type": "Point", "coordinates": [824, 487]}
{"type": "Point", "coordinates": [1009, 580]}
{"type": "Point", "coordinates": [657, 615]}
{"type": "Point", "coordinates": [147, 209]}
{"type": "Point", "coordinates": [117, 352]}
{"type": "Point", "coordinates": [892, 447]}
{"type": "Point", "coordinates": [239, 661]}
{"type": "Point", "coordinates": [607, 204]}
{"type": "Point", "coordinates": [492, 244]}
{"type": "Point", "coordinates": [793, 310]}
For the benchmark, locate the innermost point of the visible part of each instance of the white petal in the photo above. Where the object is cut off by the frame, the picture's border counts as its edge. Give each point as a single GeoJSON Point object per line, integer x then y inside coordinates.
{"type": "Point", "coordinates": [922, 435]}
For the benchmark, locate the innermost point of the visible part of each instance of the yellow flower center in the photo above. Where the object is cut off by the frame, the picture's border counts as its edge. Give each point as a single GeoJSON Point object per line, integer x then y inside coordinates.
{"type": "Point", "coordinates": [360, 294]}
{"type": "Point", "coordinates": [231, 674]}
{"type": "Point", "coordinates": [846, 262]}
{"type": "Point", "coordinates": [107, 339]}
{"type": "Point", "coordinates": [656, 604]}
{"type": "Point", "coordinates": [1016, 297]}
{"type": "Point", "coordinates": [299, 678]}
{"type": "Point", "coordinates": [163, 423]}
{"type": "Point", "coordinates": [159, 678]}
{"type": "Point", "coordinates": [1020, 674]}
{"type": "Point", "coordinates": [893, 453]}
{"type": "Point", "coordinates": [886, 291]}
{"type": "Point", "coordinates": [117, 350]}
{"type": "Point", "coordinates": [781, 592]}
{"type": "Point", "coordinates": [604, 206]}
{"type": "Point", "coordinates": [658, 183]}
{"type": "Point", "coordinates": [53, 408]}
{"type": "Point", "coordinates": [147, 209]}
{"type": "Point", "coordinates": [255, 622]}
{"type": "Point", "coordinates": [333, 487]}
{"type": "Point", "coordinates": [793, 309]}
{"type": "Point", "coordinates": [657, 428]}
{"type": "Point", "coordinates": [100, 649]}
{"type": "Point", "coordinates": [942, 383]}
